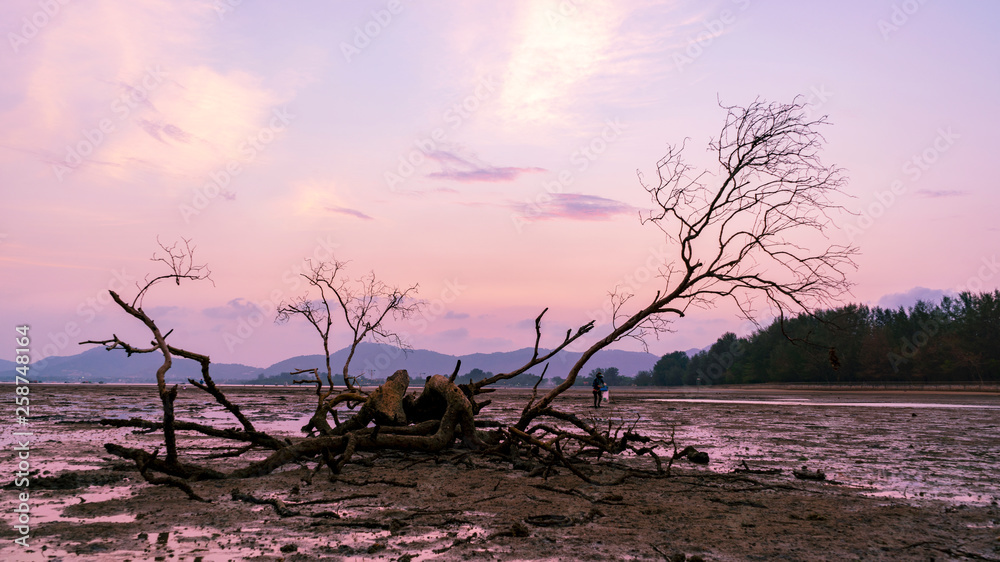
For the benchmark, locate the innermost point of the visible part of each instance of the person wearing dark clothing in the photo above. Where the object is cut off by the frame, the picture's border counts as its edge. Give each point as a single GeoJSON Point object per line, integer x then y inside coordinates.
{"type": "Point", "coordinates": [599, 387]}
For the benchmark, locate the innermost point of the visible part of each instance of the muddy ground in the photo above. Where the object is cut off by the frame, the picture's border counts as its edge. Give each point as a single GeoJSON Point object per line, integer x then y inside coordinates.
{"type": "Point", "coordinates": [455, 506]}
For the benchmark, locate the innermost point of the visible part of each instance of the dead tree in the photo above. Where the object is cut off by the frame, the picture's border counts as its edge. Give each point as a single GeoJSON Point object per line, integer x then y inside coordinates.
{"type": "Point", "coordinates": [365, 306]}
{"type": "Point", "coordinates": [180, 262]}
{"type": "Point", "coordinates": [743, 231]}
{"type": "Point", "coordinates": [746, 231]}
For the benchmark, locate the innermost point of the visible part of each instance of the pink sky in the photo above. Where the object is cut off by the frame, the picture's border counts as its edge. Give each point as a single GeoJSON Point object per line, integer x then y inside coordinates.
{"type": "Point", "coordinates": [269, 135]}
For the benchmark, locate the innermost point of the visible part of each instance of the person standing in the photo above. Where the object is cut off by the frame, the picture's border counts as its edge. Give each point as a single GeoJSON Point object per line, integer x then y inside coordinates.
{"type": "Point", "coordinates": [599, 388]}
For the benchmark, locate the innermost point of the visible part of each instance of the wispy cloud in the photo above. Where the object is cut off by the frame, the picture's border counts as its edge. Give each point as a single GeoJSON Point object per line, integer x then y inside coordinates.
{"type": "Point", "coordinates": [457, 168]}
{"type": "Point", "coordinates": [574, 206]}
{"type": "Point", "coordinates": [317, 198]}
{"type": "Point", "coordinates": [155, 129]}
{"type": "Point", "coordinates": [450, 315]}
{"type": "Point", "coordinates": [930, 193]}
{"type": "Point", "coordinates": [144, 78]}
{"type": "Point", "coordinates": [351, 212]}
{"type": "Point", "coordinates": [162, 311]}
{"type": "Point", "coordinates": [563, 61]}
{"type": "Point", "coordinates": [233, 309]}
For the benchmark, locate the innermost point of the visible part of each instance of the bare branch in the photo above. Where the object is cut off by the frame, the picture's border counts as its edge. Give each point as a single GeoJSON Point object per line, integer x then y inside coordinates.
{"type": "Point", "coordinates": [740, 231]}
{"type": "Point", "coordinates": [476, 387]}
{"type": "Point", "coordinates": [180, 262]}
{"type": "Point", "coordinates": [365, 305]}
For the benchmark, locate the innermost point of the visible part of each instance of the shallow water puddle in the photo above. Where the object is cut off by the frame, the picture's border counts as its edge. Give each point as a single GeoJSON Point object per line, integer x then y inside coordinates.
{"type": "Point", "coordinates": [795, 402]}
{"type": "Point", "coordinates": [906, 450]}
{"type": "Point", "coordinates": [896, 445]}
{"type": "Point", "coordinates": [54, 511]}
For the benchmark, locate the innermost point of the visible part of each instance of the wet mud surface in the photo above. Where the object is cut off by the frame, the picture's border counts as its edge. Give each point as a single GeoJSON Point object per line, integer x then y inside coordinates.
{"type": "Point", "coordinates": [914, 477]}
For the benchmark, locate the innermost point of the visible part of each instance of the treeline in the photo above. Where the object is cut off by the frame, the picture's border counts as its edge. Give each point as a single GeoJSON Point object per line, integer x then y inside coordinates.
{"type": "Point", "coordinates": [955, 340]}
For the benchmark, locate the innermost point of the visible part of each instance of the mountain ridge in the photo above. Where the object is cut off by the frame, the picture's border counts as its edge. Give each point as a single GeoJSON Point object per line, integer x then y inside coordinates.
{"type": "Point", "coordinates": [371, 359]}
{"type": "Point", "coordinates": [380, 360]}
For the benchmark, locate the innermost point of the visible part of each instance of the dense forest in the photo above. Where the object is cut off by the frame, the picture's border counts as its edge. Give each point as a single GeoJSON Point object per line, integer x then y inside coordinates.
{"type": "Point", "coordinates": [955, 340]}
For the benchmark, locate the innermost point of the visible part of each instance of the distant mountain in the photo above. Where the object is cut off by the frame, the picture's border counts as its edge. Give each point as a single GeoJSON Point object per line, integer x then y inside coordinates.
{"type": "Point", "coordinates": [373, 360]}
{"type": "Point", "coordinates": [379, 361]}
{"type": "Point", "coordinates": [98, 364]}
{"type": "Point", "coordinates": [694, 351]}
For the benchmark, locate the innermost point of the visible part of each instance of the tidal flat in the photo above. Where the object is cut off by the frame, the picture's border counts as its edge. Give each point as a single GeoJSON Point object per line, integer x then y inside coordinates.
{"type": "Point", "coordinates": [909, 476]}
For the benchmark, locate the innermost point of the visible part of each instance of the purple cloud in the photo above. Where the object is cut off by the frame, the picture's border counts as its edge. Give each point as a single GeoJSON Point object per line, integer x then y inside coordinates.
{"type": "Point", "coordinates": [151, 128]}
{"type": "Point", "coordinates": [456, 168]}
{"type": "Point", "coordinates": [162, 311]}
{"type": "Point", "coordinates": [574, 206]}
{"type": "Point", "coordinates": [942, 193]}
{"type": "Point", "coordinates": [351, 212]}
{"type": "Point", "coordinates": [910, 298]}
{"type": "Point", "coordinates": [456, 334]}
{"type": "Point", "coordinates": [526, 324]}
{"type": "Point", "coordinates": [176, 133]}
{"type": "Point", "coordinates": [235, 308]}
{"type": "Point", "coordinates": [172, 131]}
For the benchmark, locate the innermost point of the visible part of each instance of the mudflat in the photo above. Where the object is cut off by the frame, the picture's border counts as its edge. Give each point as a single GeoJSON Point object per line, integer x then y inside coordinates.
{"type": "Point", "coordinates": [909, 477]}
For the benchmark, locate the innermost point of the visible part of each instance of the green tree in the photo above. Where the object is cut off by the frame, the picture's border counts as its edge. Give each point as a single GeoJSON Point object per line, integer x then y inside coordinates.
{"type": "Point", "coordinates": [611, 376]}
{"type": "Point", "coordinates": [473, 375]}
{"type": "Point", "coordinates": [670, 369]}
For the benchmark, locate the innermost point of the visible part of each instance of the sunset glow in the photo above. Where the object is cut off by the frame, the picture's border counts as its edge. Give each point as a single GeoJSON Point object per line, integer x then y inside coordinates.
{"type": "Point", "coordinates": [485, 151]}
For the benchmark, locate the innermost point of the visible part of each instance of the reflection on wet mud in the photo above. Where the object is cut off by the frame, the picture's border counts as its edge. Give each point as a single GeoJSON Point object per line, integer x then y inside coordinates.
{"type": "Point", "coordinates": [902, 445]}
